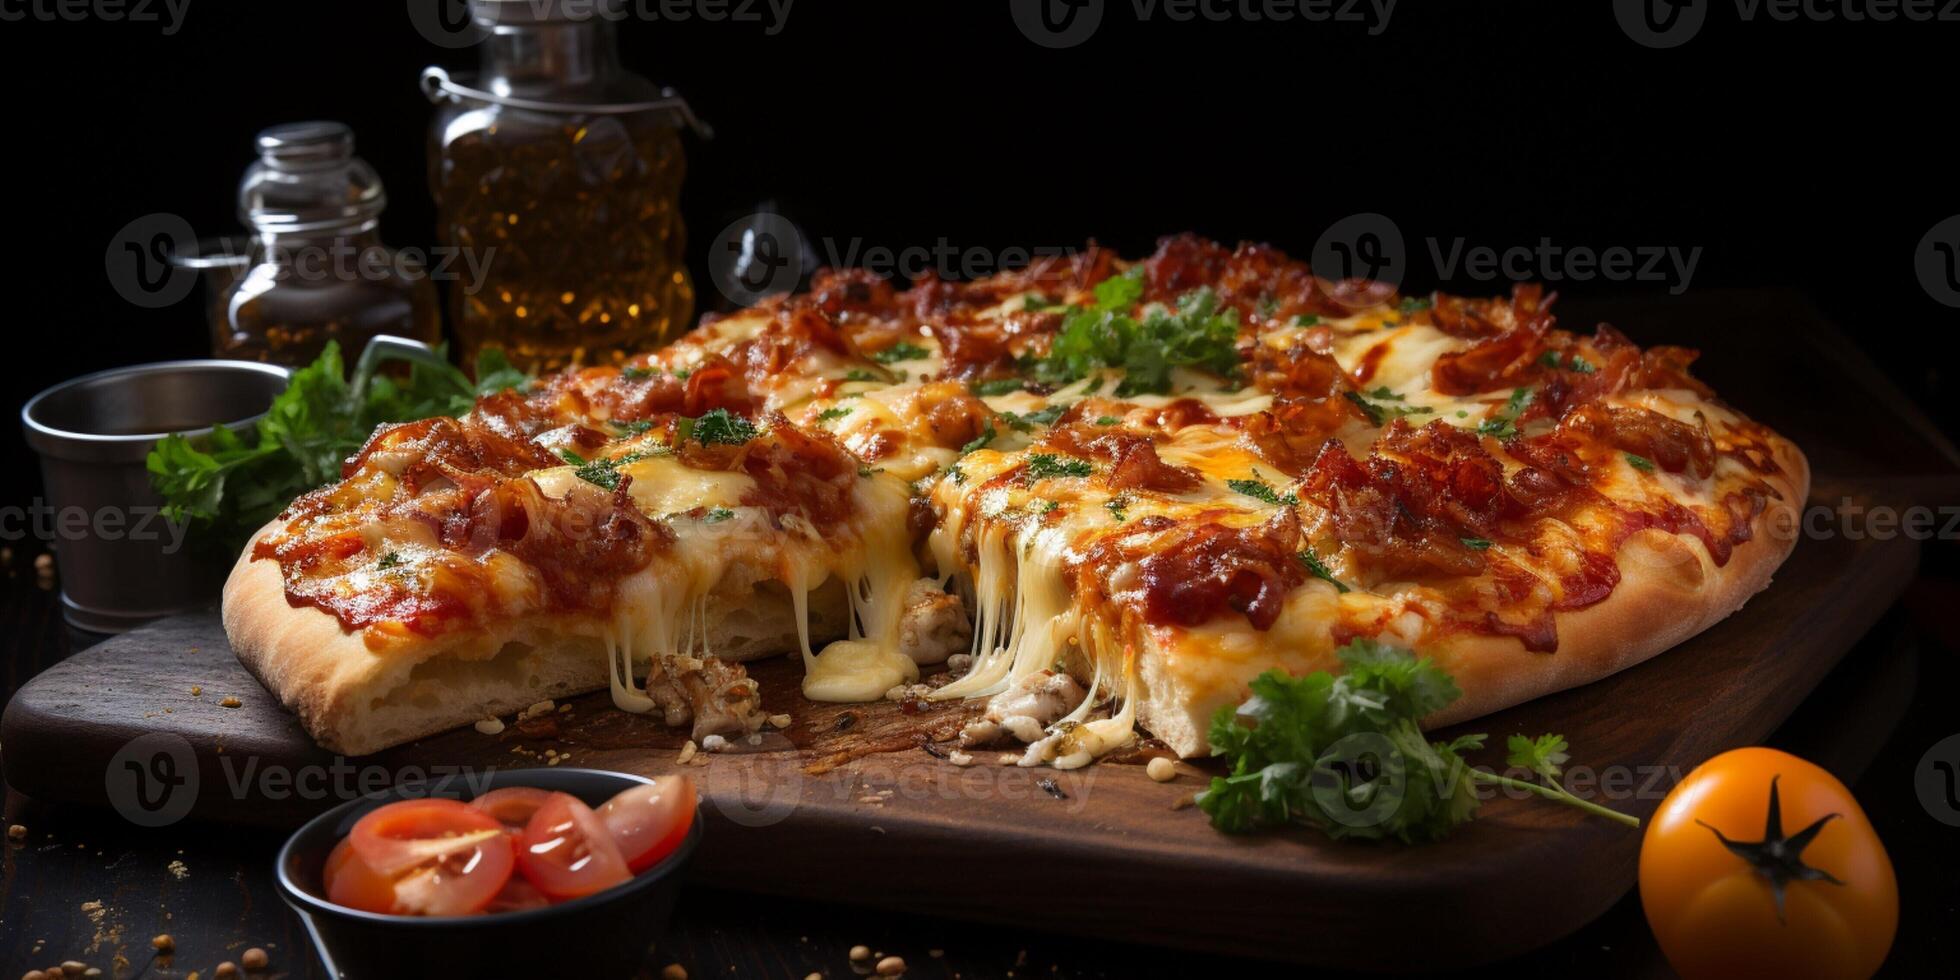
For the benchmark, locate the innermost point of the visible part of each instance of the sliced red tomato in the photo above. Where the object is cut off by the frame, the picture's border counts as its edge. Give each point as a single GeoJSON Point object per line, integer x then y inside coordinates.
{"type": "Point", "coordinates": [518, 894]}
{"type": "Point", "coordinates": [352, 883]}
{"type": "Point", "coordinates": [512, 806]}
{"type": "Point", "coordinates": [410, 833]}
{"type": "Point", "coordinates": [443, 857]}
{"type": "Point", "coordinates": [649, 822]}
{"type": "Point", "coordinates": [567, 852]}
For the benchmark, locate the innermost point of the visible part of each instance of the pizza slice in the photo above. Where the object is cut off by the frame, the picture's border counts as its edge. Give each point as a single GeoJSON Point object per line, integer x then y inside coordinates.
{"type": "Point", "coordinates": [1116, 491]}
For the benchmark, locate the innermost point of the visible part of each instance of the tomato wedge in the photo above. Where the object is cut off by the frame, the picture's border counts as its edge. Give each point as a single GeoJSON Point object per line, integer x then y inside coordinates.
{"type": "Point", "coordinates": [352, 883]}
{"type": "Point", "coordinates": [649, 822]}
{"type": "Point", "coordinates": [512, 806]}
{"type": "Point", "coordinates": [566, 851]}
{"type": "Point", "coordinates": [518, 894]}
{"type": "Point", "coordinates": [444, 857]}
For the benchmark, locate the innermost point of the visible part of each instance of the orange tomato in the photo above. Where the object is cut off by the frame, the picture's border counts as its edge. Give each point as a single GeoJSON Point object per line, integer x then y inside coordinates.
{"type": "Point", "coordinates": [1819, 901]}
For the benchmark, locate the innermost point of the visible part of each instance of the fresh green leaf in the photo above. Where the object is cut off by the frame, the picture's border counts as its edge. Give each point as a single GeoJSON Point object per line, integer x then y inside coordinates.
{"type": "Point", "coordinates": [1503, 424]}
{"type": "Point", "coordinates": [998, 386]}
{"type": "Point", "coordinates": [1544, 755]}
{"type": "Point", "coordinates": [901, 352]}
{"type": "Point", "coordinates": [980, 441]}
{"type": "Point", "coordinates": [1319, 570]}
{"type": "Point", "coordinates": [720, 428]}
{"type": "Point", "coordinates": [1347, 755]}
{"type": "Point", "coordinates": [1193, 333]}
{"type": "Point", "coordinates": [226, 485]}
{"type": "Point", "coordinates": [1044, 466]}
{"type": "Point", "coordinates": [1260, 490]}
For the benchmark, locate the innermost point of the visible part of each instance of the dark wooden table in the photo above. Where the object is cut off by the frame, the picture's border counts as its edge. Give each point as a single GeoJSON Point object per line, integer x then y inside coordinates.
{"type": "Point", "coordinates": [88, 886]}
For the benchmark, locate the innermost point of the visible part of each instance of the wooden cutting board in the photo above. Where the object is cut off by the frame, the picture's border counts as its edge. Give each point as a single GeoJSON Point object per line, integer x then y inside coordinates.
{"type": "Point", "coordinates": [845, 805]}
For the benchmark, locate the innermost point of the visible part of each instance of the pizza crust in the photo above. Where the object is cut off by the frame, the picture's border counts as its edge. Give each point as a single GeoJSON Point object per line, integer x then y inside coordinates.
{"type": "Point", "coordinates": [354, 696]}
{"type": "Point", "coordinates": [1670, 589]}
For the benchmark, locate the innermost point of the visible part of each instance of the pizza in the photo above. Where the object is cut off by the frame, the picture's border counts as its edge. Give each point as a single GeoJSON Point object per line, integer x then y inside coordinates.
{"type": "Point", "coordinates": [1103, 494]}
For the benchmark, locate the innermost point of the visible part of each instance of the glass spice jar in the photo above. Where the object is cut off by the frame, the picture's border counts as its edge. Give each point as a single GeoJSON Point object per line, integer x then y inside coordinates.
{"type": "Point", "coordinates": [316, 269]}
{"type": "Point", "coordinates": [561, 173]}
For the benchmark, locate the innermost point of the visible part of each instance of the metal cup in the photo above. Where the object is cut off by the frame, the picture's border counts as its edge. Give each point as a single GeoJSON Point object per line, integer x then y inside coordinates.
{"type": "Point", "coordinates": [121, 563]}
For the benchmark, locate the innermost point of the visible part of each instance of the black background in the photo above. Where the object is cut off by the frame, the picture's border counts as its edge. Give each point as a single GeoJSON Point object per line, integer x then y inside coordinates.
{"type": "Point", "coordinates": [1807, 156]}
{"type": "Point", "coordinates": [1802, 155]}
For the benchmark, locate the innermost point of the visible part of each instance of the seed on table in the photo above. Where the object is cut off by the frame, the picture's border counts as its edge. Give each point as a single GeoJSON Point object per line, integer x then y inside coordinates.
{"type": "Point", "coordinates": [891, 966]}
{"type": "Point", "coordinates": [73, 966]}
{"type": "Point", "coordinates": [33, 975]}
{"type": "Point", "coordinates": [225, 970]}
{"type": "Point", "coordinates": [255, 959]}
{"type": "Point", "coordinates": [860, 953]}
{"type": "Point", "coordinates": [1161, 769]}
{"type": "Point", "coordinates": [16, 832]}
{"type": "Point", "coordinates": [163, 943]}
{"type": "Point", "coordinates": [673, 971]}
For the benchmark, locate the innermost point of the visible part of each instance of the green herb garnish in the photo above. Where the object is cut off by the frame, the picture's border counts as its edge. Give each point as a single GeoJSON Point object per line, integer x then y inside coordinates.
{"type": "Point", "coordinates": [833, 413]}
{"type": "Point", "coordinates": [1504, 424]}
{"type": "Point", "coordinates": [227, 486]}
{"type": "Point", "coordinates": [1346, 754]}
{"type": "Point", "coordinates": [637, 373]}
{"type": "Point", "coordinates": [1641, 463]}
{"type": "Point", "coordinates": [980, 441]}
{"type": "Point", "coordinates": [901, 352]}
{"type": "Point", "coordinates": [1259, 489]}
{"type": "Point", "coordinates": [1118, 507]}
{"type": "Point", "coordinates": [1196, 333]}
{"type": "Point", "coordinates": [1476, 544]}
{"type": "Point", "coordinates": [392, 559]}
{"type": "Point", "coordinates": [1319, 570]}
{"type": "Point", "coordinates": [716, 515]}
{"type": "Point", "coordinates": [1043, 466]}
{"type": "Point", "coordinates": [720, 428]}
{"type": "Point", "coordinates": [998, 386]}
{"type": "Point", "coordinates": [605, 472]}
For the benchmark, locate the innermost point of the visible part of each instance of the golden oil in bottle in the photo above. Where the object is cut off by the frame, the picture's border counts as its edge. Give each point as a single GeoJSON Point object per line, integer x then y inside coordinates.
{"type": "Point", "coordinates": [548, 178]}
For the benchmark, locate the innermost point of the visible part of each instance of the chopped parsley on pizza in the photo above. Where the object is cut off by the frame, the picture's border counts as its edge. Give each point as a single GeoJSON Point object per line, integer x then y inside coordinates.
{"type": "Point", "coordinates": [1112, 492]}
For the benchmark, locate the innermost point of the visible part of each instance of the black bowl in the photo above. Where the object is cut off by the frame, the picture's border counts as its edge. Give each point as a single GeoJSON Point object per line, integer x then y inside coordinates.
{"type": "Point", "coordinates": [609, 934]}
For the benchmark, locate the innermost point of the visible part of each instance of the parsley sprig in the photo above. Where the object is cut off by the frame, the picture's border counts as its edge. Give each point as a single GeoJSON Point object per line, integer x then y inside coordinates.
{"type": "Point", "coordinates": [1106, 334]}
{"type": "Point", "coordinates": [226, 485]}
{"type": "Point", "coordinates": [1346, 754]}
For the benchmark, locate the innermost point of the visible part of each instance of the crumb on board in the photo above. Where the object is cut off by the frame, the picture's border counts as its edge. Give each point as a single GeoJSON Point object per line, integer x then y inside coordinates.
{"type": "Point", "coordinates": [490, 726]}
{"type": "Point", "coordinates": [178, 869]}
{"type": "Point", "coordinates": [229, 702]}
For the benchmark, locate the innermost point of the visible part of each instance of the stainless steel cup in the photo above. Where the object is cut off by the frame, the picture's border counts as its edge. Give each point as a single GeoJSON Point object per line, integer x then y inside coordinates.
{"type": "Point", "coordinates": [121, 563]}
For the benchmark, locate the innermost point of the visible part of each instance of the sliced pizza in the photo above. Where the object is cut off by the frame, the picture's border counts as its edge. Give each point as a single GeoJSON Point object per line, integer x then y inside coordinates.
{"type": "Point", "coordinates": [1116, 491]}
